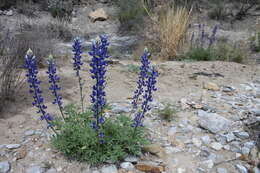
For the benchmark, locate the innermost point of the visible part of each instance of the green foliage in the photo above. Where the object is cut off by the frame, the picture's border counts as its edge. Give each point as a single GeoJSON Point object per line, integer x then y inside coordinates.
{"type": "Point", "coordinates": [255, 42]}
{"type": "Point", "coordinates": [218, 11]}
{"type": "Point", "coordinates": [5, 4]}
{"type": "Point", "coordinates": [167, 112]}
{"type": "Point", "coordinates": [228, 52]}
{"type": "Point", "coordinates": [220, 52]}
{"type": "Point", "coordinates": [78, 141]}
{"type": "Point", "coordinates": [133, 68]}
{"type": "Point", "coordinates": [199, 54]}
{"type": "Point", "coordinates": [130, 13]}
{"type": "Point", "coordinates": [61, 9]}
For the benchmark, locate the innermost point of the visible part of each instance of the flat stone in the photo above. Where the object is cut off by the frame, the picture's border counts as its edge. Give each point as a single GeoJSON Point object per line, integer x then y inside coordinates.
{"type": "Point", "coordinates": [4, 167]}
{"type": "Point", "coordinates": [29, 132]}
{"type": "Point", "coordinates": [206, 140]}
{"type": "Point", "coordinates": [221, 170]}
{"type": "Point", "coordinates": [196, 142]}
{"type": "Point", "coordinates": [213, 122]}
{"type": "Point", "coordinates": [131, 159]}
{"type": "Point", "coordinates": [181, 170]}
{"type": "Point", "coordinates": [13, 146]}
{"type": "Point", "coordinates": [235, 146]}
{"type": "Point", "coordinates": [256, 170]}
{"type": "Point", "coordinates": [117, 109]}
{"type": "Point", "coordinates": [155, 149]}
{"type": "Point", "coordinates": [52, 170]}
{"type": "Point", "coordinates": [98, 15]}
{"type": "Point", "coordinates": [109, 169]}
{"type": "Point", "coordinates": [9, 13]}
{"type": "Point", "coordinates": [216, 146]}
{"type": "Point", "coordinates": [256, 112]}
{"type": "Point", "coordinates": [207, 164]}
{"type": "Point", "coordinates": [230, 137]}
{"type": "Point", "coordinates": [211, 86]}
{"type": "Point", "coordinates": [241, 135]}
{"type": "Point", "coordinates": [127, 166]}
{"type": "Point", "coordinates": [245, 151]}
{"type": "Point", "coordinates": [241, 168]}
{"type": "Point", "coordinates": [35, 169]}
{"type": "Point", "coordinates": [149, 168]}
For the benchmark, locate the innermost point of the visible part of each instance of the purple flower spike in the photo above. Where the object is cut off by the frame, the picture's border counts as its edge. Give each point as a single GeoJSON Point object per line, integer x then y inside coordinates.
{"type": "Point", "coordinates": [98, 66]}
{"type": "Point", "coordinates": [53, 81]}
{"type": "Point", "coordinates": [34, 85]}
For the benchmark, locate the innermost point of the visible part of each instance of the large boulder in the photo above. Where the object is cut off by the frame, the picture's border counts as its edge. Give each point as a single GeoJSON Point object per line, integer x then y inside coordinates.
{"type": "Point", "coordinates": [98, 15]}
{"type": "Point", "coordinates": [213, 122]}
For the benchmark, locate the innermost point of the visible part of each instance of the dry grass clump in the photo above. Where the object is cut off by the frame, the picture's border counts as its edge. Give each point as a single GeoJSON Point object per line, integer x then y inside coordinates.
{"type": "Point", "coordinates": [173, 27]}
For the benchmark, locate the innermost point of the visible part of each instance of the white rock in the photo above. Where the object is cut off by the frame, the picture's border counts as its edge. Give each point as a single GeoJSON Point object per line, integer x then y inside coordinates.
{"type": "Point", "coordinates": [127, 166]}
{"type": "Point", "coordinates": [131, 159]}
{"type": "Point", "coordinates": [13, 146]}
{"type": "Point", "coordinates": [241, 168]}
{"type": "Point", "coordinates": [35, 169]}
{"type": "Point", "coordinates": [109, 169]}
{"type": "Point", "coordinates": [52, 170]}
{"type": "Point", "coordinates": [4, 167]}
{"type": "Point", "coordinates": [9, 13]}
{"type": "Point", "coordinates": [222, 170]}
{"type": "Point", "coordinates": [230, 137]}
{"type": "Point", "coordinates": [216, 146]}
{"type": "Point", "coordinates": [256, 170]}
{"type": "Point", "coordinates": [196, 142]}
{"type": "Point", "coordinates": [245, 150]}
{"type": "Point", "coordinates": [213, 122]}
{"type": "Point", "coordinates": [208, 164]}
{"type": "Point", "coordinates": [29, 132]}
{"type": "Point", "coordinates": [241, 135]}
{"type": "Point", "coordinates": [98, 15]}
{"type": "Point", "coordinates": [206, 140]}
{"type": "Point", "coordinates": [181, 170]}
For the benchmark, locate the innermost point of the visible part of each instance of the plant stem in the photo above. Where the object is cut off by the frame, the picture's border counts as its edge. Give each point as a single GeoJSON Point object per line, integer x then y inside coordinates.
{"type": "Point", "coordinates": [81, 94]}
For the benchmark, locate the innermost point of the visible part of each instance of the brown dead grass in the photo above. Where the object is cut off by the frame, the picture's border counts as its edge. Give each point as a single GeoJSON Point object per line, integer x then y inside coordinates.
{"type": "Point", "coordinates": [173, 27]}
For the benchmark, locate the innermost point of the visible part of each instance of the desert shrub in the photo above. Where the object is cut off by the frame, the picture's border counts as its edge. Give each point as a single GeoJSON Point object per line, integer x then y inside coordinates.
{"type": "Point", "coordinates": [218, 11]}
{"type": "Point", "coordinates": [5, 4]}
{"type": "Point", "coordinates": [200, 54]}
{"type": "Point", "coordinates": [11, 56]}
{"type": "Point", "coordinates": [56, 29]}
{"type": "Point", "coordinates": [61, 8]}
{"type": "Point", "coordinates": [86, 134]}
{"type": "Point", "coordinates": [26, 7]}
{"type": "Point", "coordinates": [167, 112]}
{"type": "Point", "coordinates": [230, 52]}
{"type": "Point", "coordinates": [172, 29]}
{"type": "Point", "coordinates": [130, 13]}
{"type": "Point", "coordinates": [132, 68]}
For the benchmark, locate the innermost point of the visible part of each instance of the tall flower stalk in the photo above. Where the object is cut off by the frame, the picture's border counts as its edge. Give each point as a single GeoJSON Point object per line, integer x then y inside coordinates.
{"type": "Point", "coordinates": [77, 66]}
{"type": "Point", "coordinates": [34, 88]}
{"type": "Point", "coordinates": [145, 88]}
{"type": "Point", "coordinates": [53, 81]}
{"type": "Point", "coordinates": [98, 65]}
{"type": "Point", "coordinates": [142, 77]}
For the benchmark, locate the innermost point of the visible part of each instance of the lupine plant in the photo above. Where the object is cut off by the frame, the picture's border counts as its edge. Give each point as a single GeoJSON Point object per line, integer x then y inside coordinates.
{"type": "Point", "coordinates": [77, 63]}
{"type": "Point", "coordinates": [88, 135]}
{"type": "Point", "coordinates": [201, 44]}
{"type": "Point", "coordinates": [35, 90]}
{"type": "Point", "coordinates": [145, 87]}
{"type": "Point", "coordinates": [53, 81]}
{"type": "Point", "coordinates": [98, 65]}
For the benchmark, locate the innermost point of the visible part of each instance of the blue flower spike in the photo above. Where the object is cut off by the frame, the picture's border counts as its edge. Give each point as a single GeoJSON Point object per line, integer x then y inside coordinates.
{"type": "Point", "coordinates": [99, 54]}
{"type": "Point", "coordinates": [77, 63]}
{"type": "Point", "coordinates": [34, 88]}
{"type": "Point", "coordinates": [53, 81]}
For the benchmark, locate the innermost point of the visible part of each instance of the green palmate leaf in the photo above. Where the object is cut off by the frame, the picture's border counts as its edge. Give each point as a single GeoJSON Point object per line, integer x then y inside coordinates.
{"type": "Point", "coordinates": [78, 141]}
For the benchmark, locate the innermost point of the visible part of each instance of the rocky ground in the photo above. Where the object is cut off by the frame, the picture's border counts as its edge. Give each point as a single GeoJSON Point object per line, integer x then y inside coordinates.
{"type": "Point", "coordinates": [215, 101]}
